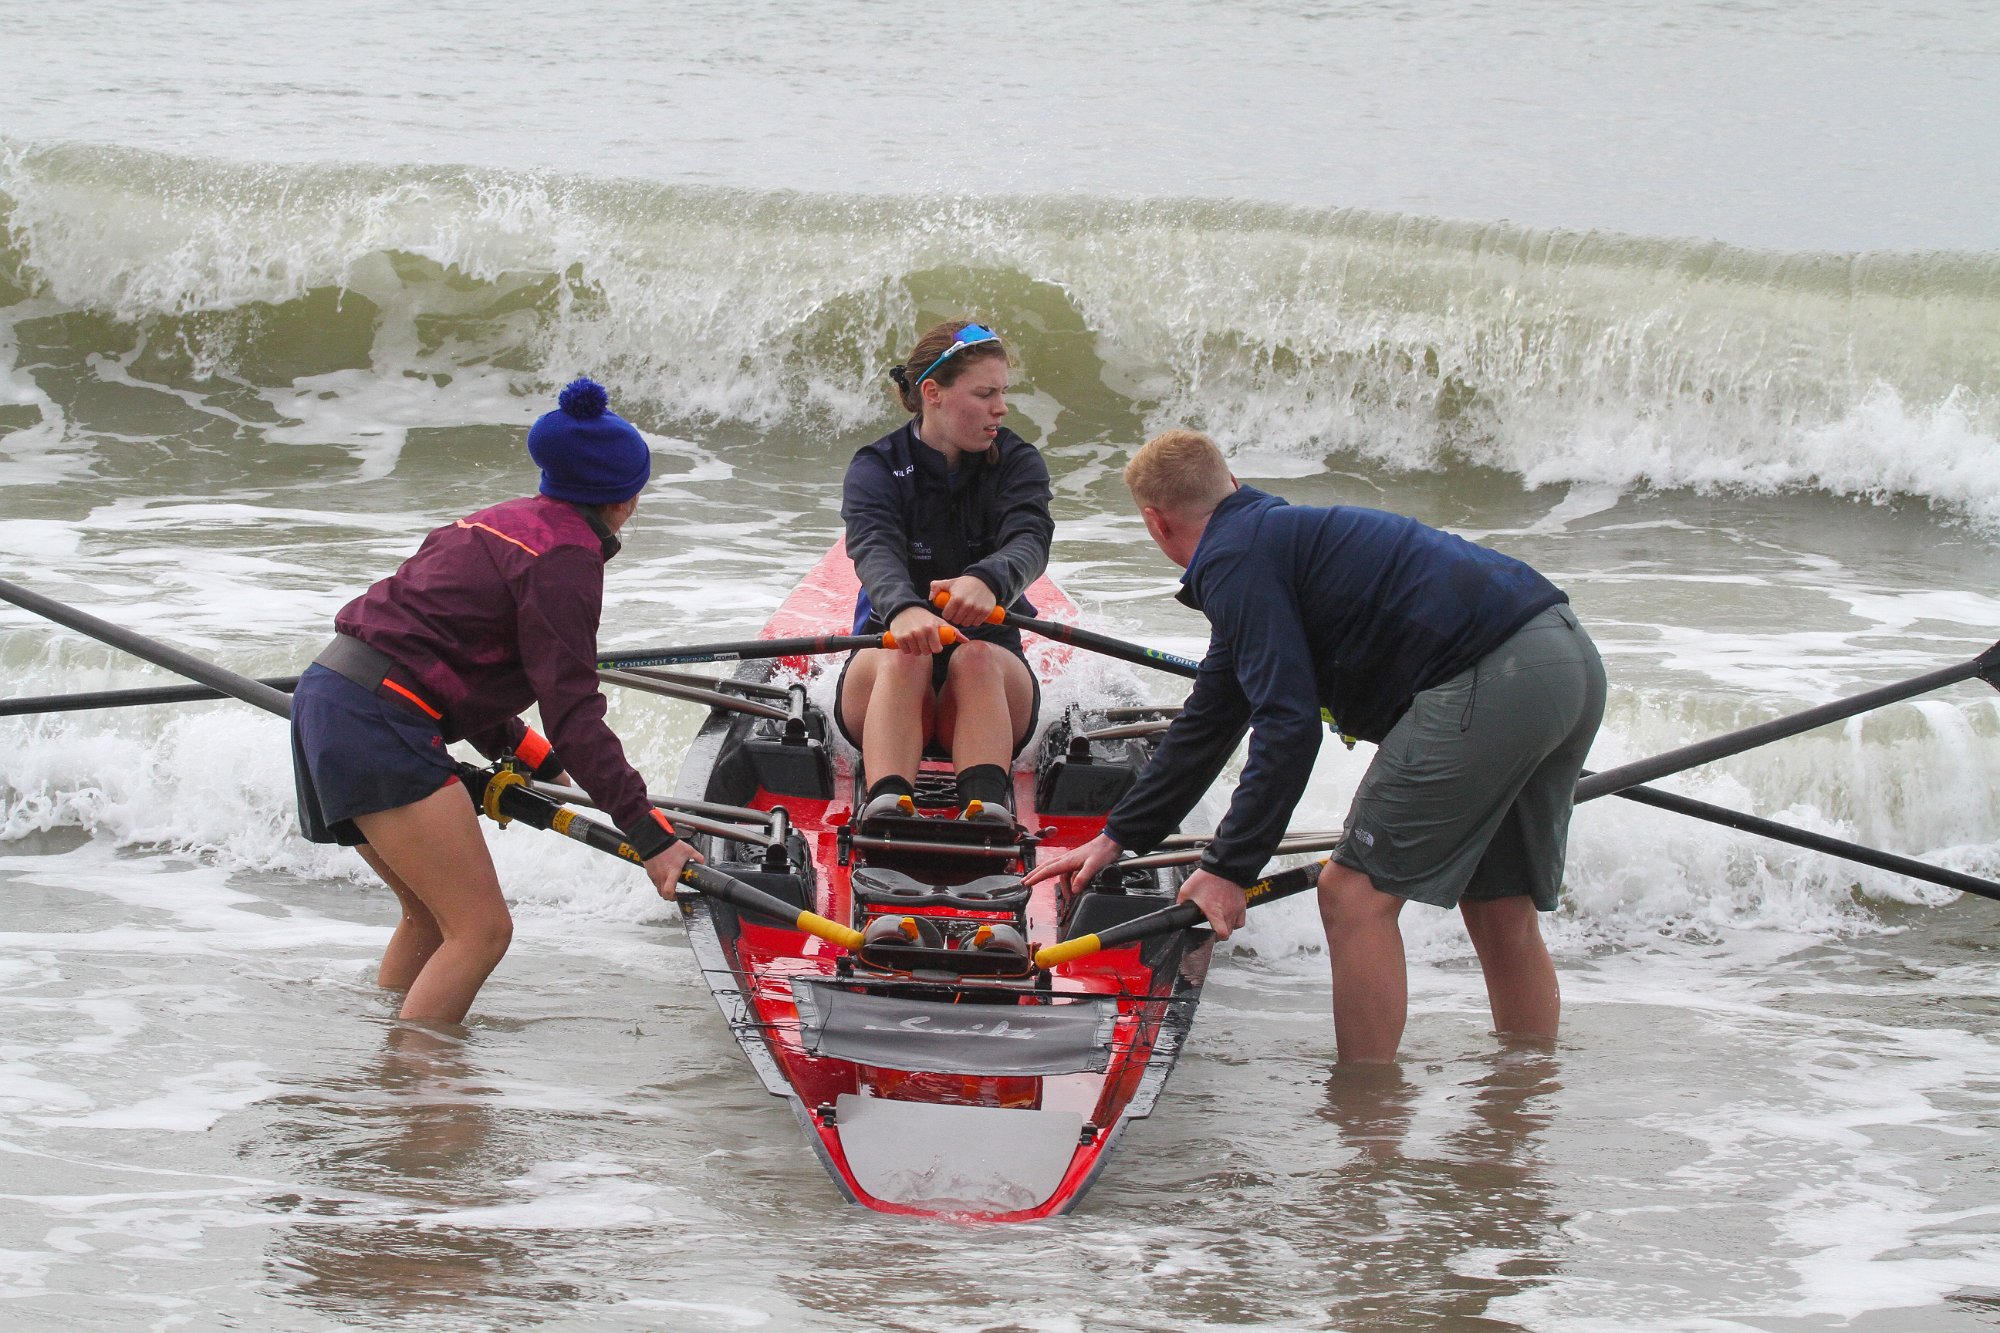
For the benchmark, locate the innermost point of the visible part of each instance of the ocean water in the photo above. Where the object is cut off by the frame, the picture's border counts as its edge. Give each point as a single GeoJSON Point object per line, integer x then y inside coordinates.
{"type": "Point", "coordinates": [1694, 306]}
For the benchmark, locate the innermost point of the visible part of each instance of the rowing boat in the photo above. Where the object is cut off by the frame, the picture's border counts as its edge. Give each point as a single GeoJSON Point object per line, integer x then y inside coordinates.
{"type": "Point", "coordinates": [935, 1070]}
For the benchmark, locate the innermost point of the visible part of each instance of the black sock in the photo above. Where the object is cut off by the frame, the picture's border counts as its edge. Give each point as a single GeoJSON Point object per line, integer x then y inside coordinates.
{"type": "Point", "coordinates": [985, 783]}
{"type": "Point", "coordinates": [893, 784]}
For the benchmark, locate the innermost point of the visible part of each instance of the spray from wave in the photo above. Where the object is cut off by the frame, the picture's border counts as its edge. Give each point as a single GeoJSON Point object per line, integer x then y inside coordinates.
{"type": "Point", "coordinates": [1291, 334]}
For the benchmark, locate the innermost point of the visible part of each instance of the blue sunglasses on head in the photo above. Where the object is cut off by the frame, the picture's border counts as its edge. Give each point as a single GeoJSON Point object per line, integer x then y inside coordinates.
{"type": "Point", "coordinates": [970, 336]}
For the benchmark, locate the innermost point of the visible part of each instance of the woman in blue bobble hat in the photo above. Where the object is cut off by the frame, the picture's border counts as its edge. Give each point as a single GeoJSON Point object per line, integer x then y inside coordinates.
{"type": "Point", "coordinates": [494, 612]}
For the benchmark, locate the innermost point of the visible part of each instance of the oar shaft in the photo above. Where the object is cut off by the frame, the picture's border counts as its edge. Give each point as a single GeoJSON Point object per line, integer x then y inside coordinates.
{"type": "Point", "coordinates": [132, 698]}
{"type": "Point", "coordinates": [1185, 854]}
{"type": "Point", "coordinates": [152, 650]}
{"type": "Point", "coordinates": [746, 650]}
{"type": "Point", "coordinates": [512, 799]}
{"type": "Point", "coordinates": [743, 650]}
{"type": "Point", "coordinates": [692, 693]}
{"type": "Point", "coordinates": [1083, 638]}
{"type": "Point", "coordinates": [1104, 644]}
{"type": "Point", "coordinates": [1986, 665]}
{"type": "Point", "coordinates": [1818, 842]}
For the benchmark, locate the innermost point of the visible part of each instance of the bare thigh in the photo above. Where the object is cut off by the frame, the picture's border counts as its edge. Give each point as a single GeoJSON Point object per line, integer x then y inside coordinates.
{"type": "Point", "coordinates": [979, 672]}
{"type": "Point", "coordinates": [433, 850]}
{"type": "Point", "coordinates": [878, 670]}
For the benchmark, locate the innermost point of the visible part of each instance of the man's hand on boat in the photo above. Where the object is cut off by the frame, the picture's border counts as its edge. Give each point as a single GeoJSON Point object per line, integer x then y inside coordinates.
{"type": "Point", "coordinates": [665, 869]}
{"type": "Point", "coordinates": [1075, 868]}
{"type": "Point", "coordinates": [968, 601]}
{"type": "Point", "coordinates": [1222, 901]}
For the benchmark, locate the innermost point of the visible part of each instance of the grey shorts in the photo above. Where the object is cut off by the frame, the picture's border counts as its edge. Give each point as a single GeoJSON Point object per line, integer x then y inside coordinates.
{"type": "Point", "coordinates": [1470, 792]}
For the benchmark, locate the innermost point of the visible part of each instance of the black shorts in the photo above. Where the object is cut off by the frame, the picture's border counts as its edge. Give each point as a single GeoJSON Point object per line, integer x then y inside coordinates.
{"type": "Point", "coordinates": [940, 666]}
{"type": "Point", "coordinates": [355, 752]}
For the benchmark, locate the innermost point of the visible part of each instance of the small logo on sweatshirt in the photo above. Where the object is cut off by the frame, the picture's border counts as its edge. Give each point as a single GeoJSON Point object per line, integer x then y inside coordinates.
{"type": "Point", "coordinates": [1363, 836]}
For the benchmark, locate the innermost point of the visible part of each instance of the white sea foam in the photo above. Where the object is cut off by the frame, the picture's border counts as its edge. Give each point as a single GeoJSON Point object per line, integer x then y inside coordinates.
{"type": "Point", "coordinates": [1411, 343]}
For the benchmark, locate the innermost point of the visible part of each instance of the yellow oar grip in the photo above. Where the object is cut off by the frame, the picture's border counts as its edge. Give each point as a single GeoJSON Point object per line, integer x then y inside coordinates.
{"type": "Point", "coordinates": [812, 923]}
{"type": "Point", "coordinates": [1049, 955]}
{"type": "Point", "coordinates": [745, 898]}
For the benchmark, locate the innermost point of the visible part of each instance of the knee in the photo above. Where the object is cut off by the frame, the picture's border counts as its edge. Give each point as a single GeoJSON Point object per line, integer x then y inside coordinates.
{"type": "Point", "coordinates": [1505, 922]}
{"type": "Point", "coordinates": [902, 672]}
{"type": "Point", "coordinates": [977, 664]}
{"type": "Point", "coordinates": [489, 936]}
{"type": "Point", "coordinates": [422, 925]}
{"type": "Point", "coordinates": [1350, 903]}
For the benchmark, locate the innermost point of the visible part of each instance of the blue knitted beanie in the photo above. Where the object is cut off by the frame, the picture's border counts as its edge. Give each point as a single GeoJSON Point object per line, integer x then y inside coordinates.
{"type": "Point", "coordinates": [588, 454]}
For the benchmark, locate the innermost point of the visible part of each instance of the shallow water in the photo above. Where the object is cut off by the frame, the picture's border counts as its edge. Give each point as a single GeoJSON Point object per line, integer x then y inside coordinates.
{"type": "Point", "coordinates": [232, 1128]}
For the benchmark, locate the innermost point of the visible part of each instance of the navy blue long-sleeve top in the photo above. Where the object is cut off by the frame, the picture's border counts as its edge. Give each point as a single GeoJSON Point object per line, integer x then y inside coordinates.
{"type": "Point", "coordinates": [1342, 615]}
{"type": "Point", "coordinates": [911, 519]}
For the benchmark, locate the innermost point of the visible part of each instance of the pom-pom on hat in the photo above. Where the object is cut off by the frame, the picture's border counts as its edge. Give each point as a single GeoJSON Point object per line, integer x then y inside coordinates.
{"type": "Point", "coordinates": [589, 454]}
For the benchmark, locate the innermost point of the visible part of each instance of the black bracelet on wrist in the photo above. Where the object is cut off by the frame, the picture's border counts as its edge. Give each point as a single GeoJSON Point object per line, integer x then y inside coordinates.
{"type": "Point", "coordinates": [649, 840]}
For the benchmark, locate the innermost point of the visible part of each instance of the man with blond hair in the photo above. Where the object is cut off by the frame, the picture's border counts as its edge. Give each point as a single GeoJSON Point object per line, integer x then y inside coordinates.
{"type": "Point", "coordinates": [1465, 667]}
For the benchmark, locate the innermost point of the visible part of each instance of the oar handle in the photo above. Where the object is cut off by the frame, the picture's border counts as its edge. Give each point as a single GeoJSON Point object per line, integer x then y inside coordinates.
{"type": "Point", "coordinates": [714, 884]}
{"type": "Point", "coordinates": [1180, 916]}
{"type": "Point", "coordinates": [946, 635]}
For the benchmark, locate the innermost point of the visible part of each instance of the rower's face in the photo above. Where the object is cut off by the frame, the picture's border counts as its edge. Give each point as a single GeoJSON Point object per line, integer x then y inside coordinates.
{"type": "Point", "coordinates": [967, 413]}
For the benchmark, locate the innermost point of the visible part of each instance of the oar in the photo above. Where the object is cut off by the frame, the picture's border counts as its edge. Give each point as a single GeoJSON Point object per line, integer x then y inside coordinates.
{"type": "Point", "coordinates": [512, 797]}
{"type": "Point", "coordinates": [746, 650]}
{"type": "Point", "coordinates": [1817, 842]}
{"type": "Point", "coordinates": [1986, 666]}
{"type": "Point", "coordinates": [159, 654]}
{"type": "Point", "coordinates": [502, 794]}
{"type": "Point", "coordinates": [133, 698]}
{"type": "Point", "coordinates": [672, 689]}
{"type": "Point", "coordinates": [1180, 916]}
{"type": "Point", "coordinates": [1083, 638]}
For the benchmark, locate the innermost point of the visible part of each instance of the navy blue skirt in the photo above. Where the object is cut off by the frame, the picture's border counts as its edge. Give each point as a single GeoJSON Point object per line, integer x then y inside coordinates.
{"type": "Point", "coordinates": [355, 752]}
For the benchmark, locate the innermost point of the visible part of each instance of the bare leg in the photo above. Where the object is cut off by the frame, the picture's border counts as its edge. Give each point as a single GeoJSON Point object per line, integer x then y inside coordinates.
{"type": "Point", "coordinates": [1371, 992]}
{"type": "Point", "coordinates": [1521, 981]}
{"type": "Point", "coordinates": [417, 935]}
{"type": "Point", "coordinates": [980, 675]}
{"type": "Point", "coordinates": [434, 847]}
{"type": "Point", "coordinates": [886, 699]}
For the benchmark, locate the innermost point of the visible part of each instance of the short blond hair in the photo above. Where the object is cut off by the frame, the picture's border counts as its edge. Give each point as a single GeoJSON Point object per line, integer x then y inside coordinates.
{"type": "Point", "coordinates": [1179, 472]}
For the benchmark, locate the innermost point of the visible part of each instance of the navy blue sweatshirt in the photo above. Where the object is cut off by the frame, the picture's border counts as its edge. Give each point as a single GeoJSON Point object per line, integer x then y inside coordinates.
{"type": "Point", "coordinates": [1351, 611]}
{"type": "Point", "coordinates": [910, 520]}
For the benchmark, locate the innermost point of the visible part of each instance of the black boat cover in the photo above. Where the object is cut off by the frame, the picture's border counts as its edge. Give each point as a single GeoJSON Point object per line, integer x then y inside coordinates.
{"type": "Point", "coordinates": [924, 1036]}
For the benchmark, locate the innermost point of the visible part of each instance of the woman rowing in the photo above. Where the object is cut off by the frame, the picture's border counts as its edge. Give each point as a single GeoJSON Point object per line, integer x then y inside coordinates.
{"type": "Point", "coordinates": [947, 517]}
{"type": "Point", "coordinates": [494, 612]}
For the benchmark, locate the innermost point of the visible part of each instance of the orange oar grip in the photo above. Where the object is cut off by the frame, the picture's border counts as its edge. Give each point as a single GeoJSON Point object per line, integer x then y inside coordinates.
{"type": "Point", "coordinates": [997, 616]}
{"type": "Point", "coordinates": [946, 635]}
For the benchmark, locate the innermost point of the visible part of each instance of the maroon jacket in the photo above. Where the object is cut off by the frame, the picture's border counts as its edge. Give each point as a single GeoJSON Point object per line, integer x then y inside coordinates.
{"type": "Point", "coordinates": [498, 611]}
